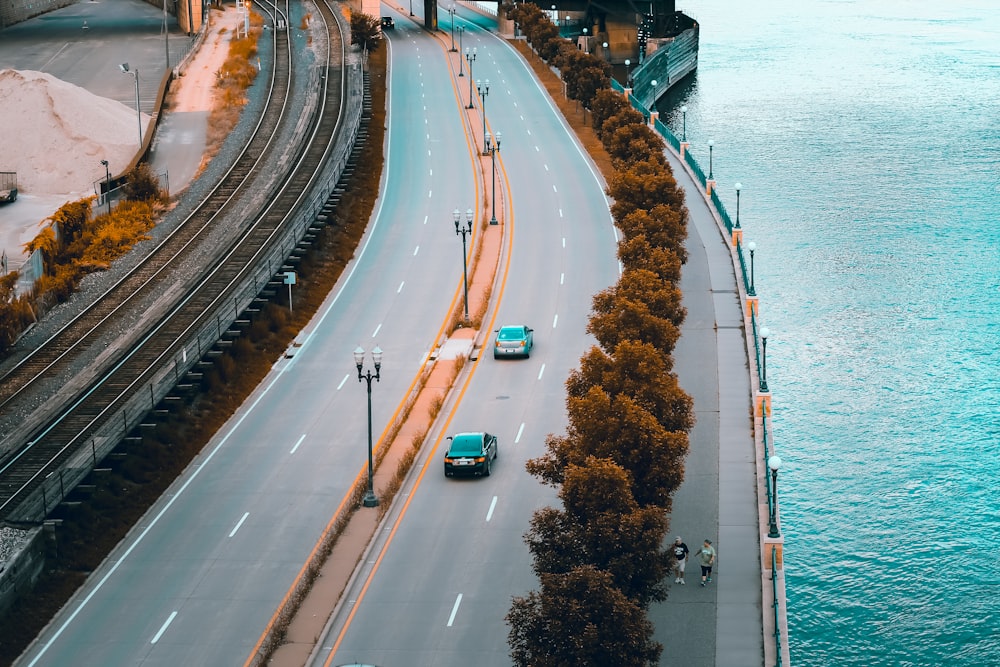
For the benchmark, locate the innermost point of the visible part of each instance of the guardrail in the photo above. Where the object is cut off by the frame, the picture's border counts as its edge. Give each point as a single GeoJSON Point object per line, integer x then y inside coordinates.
{"type": "Point", "coordinates": [192, 346]}
{"type": "Point", "coordinates": [767, 462]}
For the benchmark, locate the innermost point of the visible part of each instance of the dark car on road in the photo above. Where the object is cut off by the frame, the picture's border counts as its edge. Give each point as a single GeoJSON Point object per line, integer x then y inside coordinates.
{"type": "Point", "coordinates": [513, 340]}
{"type": "Point", "coordinates": [470, 454]}
{"type": "Point", "coordinates": [388, 23]}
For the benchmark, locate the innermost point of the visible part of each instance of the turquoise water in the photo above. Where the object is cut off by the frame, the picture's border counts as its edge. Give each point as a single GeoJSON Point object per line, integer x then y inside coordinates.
{"type": "Point", "coordinates": [866, 136]}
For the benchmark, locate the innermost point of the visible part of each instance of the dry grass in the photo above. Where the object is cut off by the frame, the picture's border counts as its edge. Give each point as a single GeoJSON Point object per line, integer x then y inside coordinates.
{"type": "Point", "coordinates": [91, 530]}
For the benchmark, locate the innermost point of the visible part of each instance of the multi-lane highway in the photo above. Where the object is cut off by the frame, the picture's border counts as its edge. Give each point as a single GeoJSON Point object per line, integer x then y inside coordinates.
{"type": "Point", "coordinates": [444, 581]}
{"type": "Point", "coordinates": [196, 582]}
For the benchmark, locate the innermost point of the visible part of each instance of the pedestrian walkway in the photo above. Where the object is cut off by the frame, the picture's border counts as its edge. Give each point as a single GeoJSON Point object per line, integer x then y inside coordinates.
{"type": "Point", "coordinates": [720, 624]}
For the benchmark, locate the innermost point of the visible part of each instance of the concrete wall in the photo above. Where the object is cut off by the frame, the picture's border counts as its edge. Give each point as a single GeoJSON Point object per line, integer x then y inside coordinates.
{"type": "Point", "coordinates": [20, 570]}
{"type": "Point", "coordinates": [15, 11]}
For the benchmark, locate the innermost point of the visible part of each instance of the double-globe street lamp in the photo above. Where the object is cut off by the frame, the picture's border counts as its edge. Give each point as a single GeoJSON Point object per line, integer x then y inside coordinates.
{"type": "Point", "coordinates": [461, 30]}
{"type": "Point", "coordinates": [470, 58]}
{"type": "Point", "coordinates": [359, 358]}
{"type": "Point", "coordinates": [774, 463]}
{"type": "Point", "coordinates": [484, 90]}
{"type": "Point", "coordinates": [493, 147]}
{"type": "Point", "coordinates": [135, 75]}
{"type": "Point", "coordinates": [451, 10]}
{"type": "Point", "coordinates": [751, 246]}
{"type": "Point", "coordinates": [463, 231]}
{"type": "Point", "coordinates": [684, 123]}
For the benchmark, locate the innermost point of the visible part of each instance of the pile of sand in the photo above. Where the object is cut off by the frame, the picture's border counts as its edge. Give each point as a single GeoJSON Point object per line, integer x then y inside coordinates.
{"type": "Point", "coordinates": [55, 134]}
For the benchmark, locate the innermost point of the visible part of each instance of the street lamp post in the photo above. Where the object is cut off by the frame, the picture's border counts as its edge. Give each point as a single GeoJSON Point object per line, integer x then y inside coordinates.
{"type": "Point", "coordinates": [459, 229]}
{"type": "Point", "coordinates": [684, 120]}
{"type": "Point", "coordinates": [107, 184]}
{"type": "Point", "coordinates": [710, 145]}
{"type": "Point", "coordinates": [751, 246]}
{"type": "Point", "coordinates": [739, 186]}
{"type": "Point", "coordinates": [764, 333]}
{"type": "Point", "coordinates": [461, 30]}
{"type": "Point", "coordinates": [135, 75]}
{"type": "Point", "coordinates": [359, 358]}
{"type": "Point", "coordinates": [451, 10]}
{"type": "Point", "coordinates": [471, 58]}
{"type": "Point", "coordinates": [484, 90]}
{"type": "Point", "coordinates": [493, 146]}
{"type": "Point", "coordinates": [774, 463]}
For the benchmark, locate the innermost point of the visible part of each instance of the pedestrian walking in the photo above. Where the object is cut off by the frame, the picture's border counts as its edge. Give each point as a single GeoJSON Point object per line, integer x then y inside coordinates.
{"type": "Point", "coordinates": [680, 553]}
{"type": "Point", "coordinates": [707, 558]}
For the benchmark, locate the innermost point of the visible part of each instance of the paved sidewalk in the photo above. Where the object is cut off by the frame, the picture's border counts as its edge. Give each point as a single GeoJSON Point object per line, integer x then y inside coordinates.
{"type": "Point", "coordinates": [722, 623]}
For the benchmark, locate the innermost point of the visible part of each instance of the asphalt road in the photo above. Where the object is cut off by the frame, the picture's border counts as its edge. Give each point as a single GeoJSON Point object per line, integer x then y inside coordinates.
{"type": "Point", "coordinates": [444, 581]}
{"type": "Point", "coordinates": [198, 579]}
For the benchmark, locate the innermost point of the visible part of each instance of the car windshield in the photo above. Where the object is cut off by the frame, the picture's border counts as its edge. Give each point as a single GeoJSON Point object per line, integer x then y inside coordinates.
{"type": "Point", "coordinates": [468, 444]}
{"type": "Point", "coordinates": [511, 333]}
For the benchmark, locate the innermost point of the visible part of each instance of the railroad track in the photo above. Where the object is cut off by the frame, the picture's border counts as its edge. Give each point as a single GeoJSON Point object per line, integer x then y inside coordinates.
{"type": "Point", "coordinates": [140, 371]}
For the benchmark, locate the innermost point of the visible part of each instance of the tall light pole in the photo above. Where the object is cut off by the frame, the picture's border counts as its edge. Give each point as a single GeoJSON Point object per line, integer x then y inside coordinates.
{"type": "Point", "coordinates": [710, 145]}
{"type": "Point", "coordinates": [461, 29]}
{"type": "Point", "coordinates": [684, 117]}
{"type": "Point", "coordinates": [107, 184]}
{"type": "Point", "coordinates": [493, 146]}
{"type": "Point", "coordinates": [739, 186]}
{"type": "Point", "coordinates": [751, 246]}
{"type": "Point", "coordinates": [484, 90]}
{"type": "Point", "coordinates": [166, 43]}
{"type": "Point", "coordinates": [451, 10]}
{"type": "Point", "coordinates": [359, 359]}
{"type": "Point", "coordinates": [135, 75]}
{"type": "Point", "coordinates": [628, 73]}
{"type": "Point", "coordinates": [463, 231]}
{"type": "Point", "coordinates": [774, 463]}
{"type": "Point", "coordinates": [471, 58]}
{"type": "Point", "coordinates": [764, 333]}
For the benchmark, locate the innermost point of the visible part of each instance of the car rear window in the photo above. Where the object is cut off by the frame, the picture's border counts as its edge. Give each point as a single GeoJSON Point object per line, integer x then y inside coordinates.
{"type": "Point", "coordinates": [512, 333]}
{"type": "Point", "coordinates": [467, 444]}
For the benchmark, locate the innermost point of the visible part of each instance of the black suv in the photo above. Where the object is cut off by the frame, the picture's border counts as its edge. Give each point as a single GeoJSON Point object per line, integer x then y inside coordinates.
{"type": "Point", "coordinates": [388, 23]}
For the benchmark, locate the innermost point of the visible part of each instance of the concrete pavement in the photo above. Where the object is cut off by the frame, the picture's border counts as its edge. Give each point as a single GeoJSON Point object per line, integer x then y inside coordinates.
{"type": "Point", "coordinates": [720, 624]}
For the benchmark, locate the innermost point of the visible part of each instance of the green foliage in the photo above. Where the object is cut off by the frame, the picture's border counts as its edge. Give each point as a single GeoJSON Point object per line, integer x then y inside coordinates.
{"type": "Point", "coordinates": [631, 143]}
{"type": "Point", "coordinates": [637, 252]}
{"type": "Point", "coordinates": [642, 372]}
{"type": "Point", "coordinates": [643, 186]}
{"type": "Point", "coordinates": [109, 237]}
{"type": "Point", "coordinates": [607, 103]}
{"type": "Point", "coordinates": [366, 31]}
{"type": "Point", "coordinates": [663, 226]}
{"type": "Point", "coordinates": [141, 184]}
{"type": "Point", "coordinates": [622, 315]}
{"type": "Point", "coordinates": [580, 618]}
{"type": "Point", "coordinates": [604, 527]}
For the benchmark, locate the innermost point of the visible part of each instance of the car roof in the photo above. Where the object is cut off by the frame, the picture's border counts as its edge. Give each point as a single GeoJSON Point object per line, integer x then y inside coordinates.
{"type": "Point", "coordinates": [467, 442]}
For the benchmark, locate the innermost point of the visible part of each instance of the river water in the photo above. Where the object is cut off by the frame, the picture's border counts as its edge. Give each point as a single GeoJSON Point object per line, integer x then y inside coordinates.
{"type": "Point", "coordinates": [866, 137]}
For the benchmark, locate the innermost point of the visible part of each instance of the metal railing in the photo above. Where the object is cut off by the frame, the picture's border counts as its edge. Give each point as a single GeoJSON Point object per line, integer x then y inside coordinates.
{"type": "Point", "coordinates": [765, 428]}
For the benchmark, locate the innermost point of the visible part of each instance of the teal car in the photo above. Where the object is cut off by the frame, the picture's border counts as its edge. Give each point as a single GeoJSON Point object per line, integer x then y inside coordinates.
{"type": "Point", "coordinates": [513, 341]}
{"type": "Point", "coordinates": [470, 454]}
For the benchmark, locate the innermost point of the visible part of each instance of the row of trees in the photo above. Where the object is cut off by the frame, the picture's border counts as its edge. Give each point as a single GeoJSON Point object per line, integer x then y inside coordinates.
{"type": "Point", "coordinates": [76, 241]}
{"type": "Point", "coordinates": [601, 559]}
